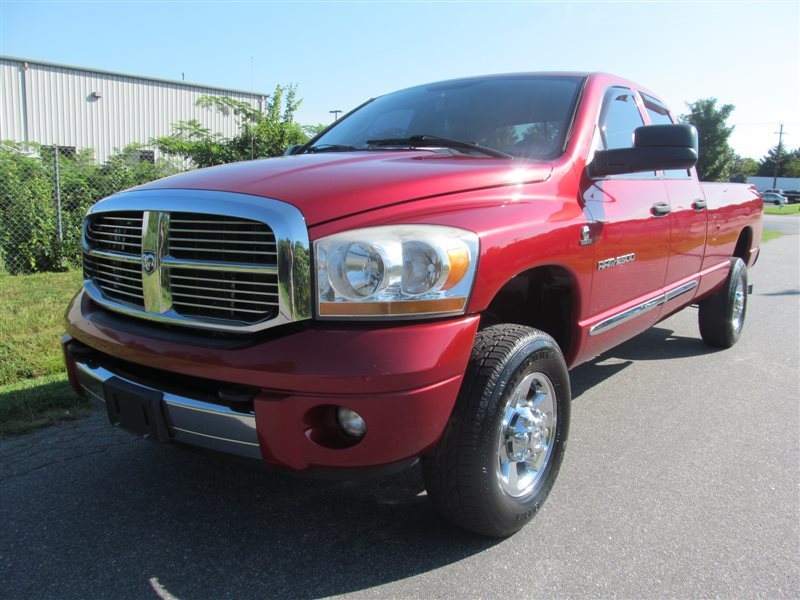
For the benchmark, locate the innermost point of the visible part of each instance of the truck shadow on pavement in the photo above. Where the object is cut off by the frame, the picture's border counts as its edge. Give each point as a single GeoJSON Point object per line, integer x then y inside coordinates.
{"type": "Point", "coordinates": [132, 519]}
{"type": "Point", "coordinates": [657, 343]}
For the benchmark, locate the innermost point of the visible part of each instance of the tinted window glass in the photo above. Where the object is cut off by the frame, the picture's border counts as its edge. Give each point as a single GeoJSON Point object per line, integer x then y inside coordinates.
{"type": "Point", "coordinates": [621, 117]}
{"type": "Point", "coordinates": [523, 116]}
{"type": "Point", "coordinates": [659, 115]}
{"type": "Point", "coordinates": [618, 120]}
{"type": "Point", "coordinates": [391, 124]}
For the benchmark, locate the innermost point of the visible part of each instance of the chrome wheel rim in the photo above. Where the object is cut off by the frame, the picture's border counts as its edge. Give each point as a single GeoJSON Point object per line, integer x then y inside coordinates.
{"type": "Point", "coordinates": [737, 318]}
{"type": "Point", "coordinates": [526, 435]}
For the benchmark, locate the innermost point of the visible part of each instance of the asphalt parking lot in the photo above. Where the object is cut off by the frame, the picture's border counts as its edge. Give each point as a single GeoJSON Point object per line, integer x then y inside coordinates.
{"type": "Point", "coordinates": [682, 479]}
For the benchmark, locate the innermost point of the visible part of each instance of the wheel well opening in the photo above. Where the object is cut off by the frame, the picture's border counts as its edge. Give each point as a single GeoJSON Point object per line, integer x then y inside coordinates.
{"type": "Point", "coordinates": [542, 298]}
{"type": "Point", "coordinates": [744, 245]}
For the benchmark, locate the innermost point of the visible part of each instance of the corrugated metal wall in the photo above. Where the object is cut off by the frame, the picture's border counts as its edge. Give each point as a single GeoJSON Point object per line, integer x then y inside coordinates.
{"type": "Point", "coordinates": [12, 117]}
{"type": "Point", "coordinates": [73, 107]}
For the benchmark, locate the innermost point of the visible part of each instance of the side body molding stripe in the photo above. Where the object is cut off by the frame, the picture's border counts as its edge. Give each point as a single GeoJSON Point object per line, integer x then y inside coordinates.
{"type": "Point", "coordinates": [640, 309]}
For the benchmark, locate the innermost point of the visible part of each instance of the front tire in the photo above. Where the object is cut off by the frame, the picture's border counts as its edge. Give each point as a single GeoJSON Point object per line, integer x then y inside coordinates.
{"type": "Point", "coordinates": [502, 449]}
{"type": "Point", "coordinates": [721, 315]}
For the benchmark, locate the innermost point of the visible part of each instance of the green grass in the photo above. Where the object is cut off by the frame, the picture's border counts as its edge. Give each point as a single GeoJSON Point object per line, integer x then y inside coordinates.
{"type": "Point", "coordinates": [786, 209]}
{"type": "Point", "coordinates": [33, 321]}
{"type": "Point", "coordinates": [33, 387]}
{"type": "Point", "coordinates": [768, 234]}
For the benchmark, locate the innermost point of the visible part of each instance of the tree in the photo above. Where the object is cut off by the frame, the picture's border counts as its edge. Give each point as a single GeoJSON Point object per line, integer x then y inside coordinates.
{"type": "Point", "coordinates": [314, 130]}
{"type": "Point", "coordinates": [261, 134]}
{"type": "Point", "coordinates": [743, 168]}
{"type": "Point", "coordinates": [716, 156]}
{"type": "Point", "coordinates": [787, 162]}
{"type": "Point", "coordinates": [792, 166]}
{"type": "Point", "coordinates": [29, 237]}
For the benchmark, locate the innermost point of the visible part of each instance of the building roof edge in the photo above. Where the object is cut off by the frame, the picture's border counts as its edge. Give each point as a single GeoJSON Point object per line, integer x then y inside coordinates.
{"type": "Point", "coordinates": [48, 63]}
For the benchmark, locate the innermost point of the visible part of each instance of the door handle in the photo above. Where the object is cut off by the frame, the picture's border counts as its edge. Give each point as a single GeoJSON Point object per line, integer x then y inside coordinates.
{"type": "Point", "coordinates": [661, 209]}
{"type": "Point", "coordinates": [699, 205]}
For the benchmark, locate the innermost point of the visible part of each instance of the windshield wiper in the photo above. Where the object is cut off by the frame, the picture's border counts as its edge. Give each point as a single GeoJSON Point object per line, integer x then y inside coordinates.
{"type": "Point", "coordinates": [416, 141]}
{"type": "Point", "coordinates": [329, 148]}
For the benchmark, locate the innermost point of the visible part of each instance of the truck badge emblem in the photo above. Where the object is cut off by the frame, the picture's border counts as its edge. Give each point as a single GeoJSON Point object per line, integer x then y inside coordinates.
{"type": "Point", "coordinates": [149, 262]}
{"type": "Point", "coordinates": [615, 262]}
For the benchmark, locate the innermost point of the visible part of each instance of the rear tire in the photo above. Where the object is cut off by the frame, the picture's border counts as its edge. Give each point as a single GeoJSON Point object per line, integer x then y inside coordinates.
{"type": "Point", "coordinates": [502, 449]}
{"type": "Point", "coordinates": [721, 315]}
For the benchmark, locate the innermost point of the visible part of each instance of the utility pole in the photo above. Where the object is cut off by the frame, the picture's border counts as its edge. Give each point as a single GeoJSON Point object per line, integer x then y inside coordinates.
{"type": "Point", "coordinates": [335, 114]}
{"type": "Point", "coordinates": [777, 157]}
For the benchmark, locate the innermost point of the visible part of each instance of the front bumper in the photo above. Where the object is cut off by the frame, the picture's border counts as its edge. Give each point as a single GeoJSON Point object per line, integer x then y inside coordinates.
{"type": "Point", "coordinates": [190, 421]}
{"type": "Point", "coordinates": [402, 379]}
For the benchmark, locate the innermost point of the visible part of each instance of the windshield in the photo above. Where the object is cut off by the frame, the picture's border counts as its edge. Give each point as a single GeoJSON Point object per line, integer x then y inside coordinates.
{"type": "Point", "coordinates": [524, 116]}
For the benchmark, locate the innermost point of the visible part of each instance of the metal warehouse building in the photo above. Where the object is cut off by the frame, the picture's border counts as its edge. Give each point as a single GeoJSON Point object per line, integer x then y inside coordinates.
{"type": "Point", "coordinates": [76, 107]}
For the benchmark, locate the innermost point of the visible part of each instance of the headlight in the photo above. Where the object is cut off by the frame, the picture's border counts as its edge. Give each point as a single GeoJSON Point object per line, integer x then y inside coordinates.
{"type": "Point", "coordinates": [395, 271]}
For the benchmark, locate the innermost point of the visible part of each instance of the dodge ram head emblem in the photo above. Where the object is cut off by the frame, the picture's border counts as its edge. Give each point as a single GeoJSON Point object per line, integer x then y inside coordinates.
{"type": "Point", "coordinates": [149, 262]}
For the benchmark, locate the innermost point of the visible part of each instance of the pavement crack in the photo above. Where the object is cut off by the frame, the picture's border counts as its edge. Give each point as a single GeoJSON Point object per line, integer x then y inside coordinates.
{"type": "Point", "coordinates": [62, 460]}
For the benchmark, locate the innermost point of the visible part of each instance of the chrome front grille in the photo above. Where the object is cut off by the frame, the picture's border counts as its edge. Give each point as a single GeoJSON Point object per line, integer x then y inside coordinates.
{"type": "Point", "coordinates": [181, 264]}
{"type": "Point", "coordinates": [109, 234]}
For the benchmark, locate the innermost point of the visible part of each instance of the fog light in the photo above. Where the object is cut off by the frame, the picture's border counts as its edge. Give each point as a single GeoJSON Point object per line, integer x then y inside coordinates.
{"type": "Point", "coordinates": [351, 422]}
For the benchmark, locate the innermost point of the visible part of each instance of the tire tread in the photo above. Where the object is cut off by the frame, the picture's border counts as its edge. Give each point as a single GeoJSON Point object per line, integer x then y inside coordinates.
{"type": "Point", "coordinates": [715, 311]}
{"type": "Point", "coordinates": [449, 469]}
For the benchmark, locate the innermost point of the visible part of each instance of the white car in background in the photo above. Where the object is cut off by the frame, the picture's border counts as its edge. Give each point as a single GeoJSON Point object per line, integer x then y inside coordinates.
{"type": "Point", "coordinates": [773, 198]}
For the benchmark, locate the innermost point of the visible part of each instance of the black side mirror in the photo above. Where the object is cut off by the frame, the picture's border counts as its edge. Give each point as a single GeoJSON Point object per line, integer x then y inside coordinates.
{"type": "Point", "coordinates": [655, 147]}
{"type": "Point", "coordinates": [292, 149]}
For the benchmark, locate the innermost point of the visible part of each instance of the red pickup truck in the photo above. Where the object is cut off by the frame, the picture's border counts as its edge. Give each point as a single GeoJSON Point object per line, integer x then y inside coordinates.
{"type": "Point", "coordinates": [413, 283]}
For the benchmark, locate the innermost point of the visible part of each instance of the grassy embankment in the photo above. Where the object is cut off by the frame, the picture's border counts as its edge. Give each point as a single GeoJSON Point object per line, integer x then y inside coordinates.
{"type": "Point", "coordinates": [786, 209]}
{"type": "Point", "coordinates": [33, 387]}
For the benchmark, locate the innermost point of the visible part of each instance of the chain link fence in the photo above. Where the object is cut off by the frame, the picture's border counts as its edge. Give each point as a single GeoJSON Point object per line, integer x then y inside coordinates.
{"type": "Point", "coordinates": [45, 192]}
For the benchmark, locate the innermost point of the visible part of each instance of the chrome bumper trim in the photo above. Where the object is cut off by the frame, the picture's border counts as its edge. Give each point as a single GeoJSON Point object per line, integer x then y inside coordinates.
{"type": "Point", "coordinates": [189, 421]}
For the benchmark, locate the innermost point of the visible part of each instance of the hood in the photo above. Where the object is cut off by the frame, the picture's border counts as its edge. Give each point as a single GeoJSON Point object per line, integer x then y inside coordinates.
{"type": "Point", "coordinates": [335, 185]}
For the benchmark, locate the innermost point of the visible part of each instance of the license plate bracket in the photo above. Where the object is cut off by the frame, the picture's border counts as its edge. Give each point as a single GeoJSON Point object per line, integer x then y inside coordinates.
{"type": "Point", "coordinates": [135, 408]}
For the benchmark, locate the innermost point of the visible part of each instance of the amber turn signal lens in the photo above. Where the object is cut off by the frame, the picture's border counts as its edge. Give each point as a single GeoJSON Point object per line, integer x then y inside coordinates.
{"type": "Point", "coordinates": [459, 263]}
{"type": "Point", "coordinates": [363, 309]}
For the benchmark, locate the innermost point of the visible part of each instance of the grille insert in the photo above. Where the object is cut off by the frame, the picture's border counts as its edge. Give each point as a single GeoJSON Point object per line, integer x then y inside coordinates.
{"type": "Point", "coordinates": [246, 297]}
{"type": "Point", "coordinates": [114, 235]}
{"type": "Point", "coordinates": [116, 232]}
{"type": "Point", "coordinates": [120, 281]}
{"type": "Point", "coordinates": [227, 239]}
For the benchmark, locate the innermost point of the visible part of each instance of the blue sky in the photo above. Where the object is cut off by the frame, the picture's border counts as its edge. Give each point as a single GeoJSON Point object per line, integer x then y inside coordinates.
{"type": "Point", "coordinates": [341, 53]}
